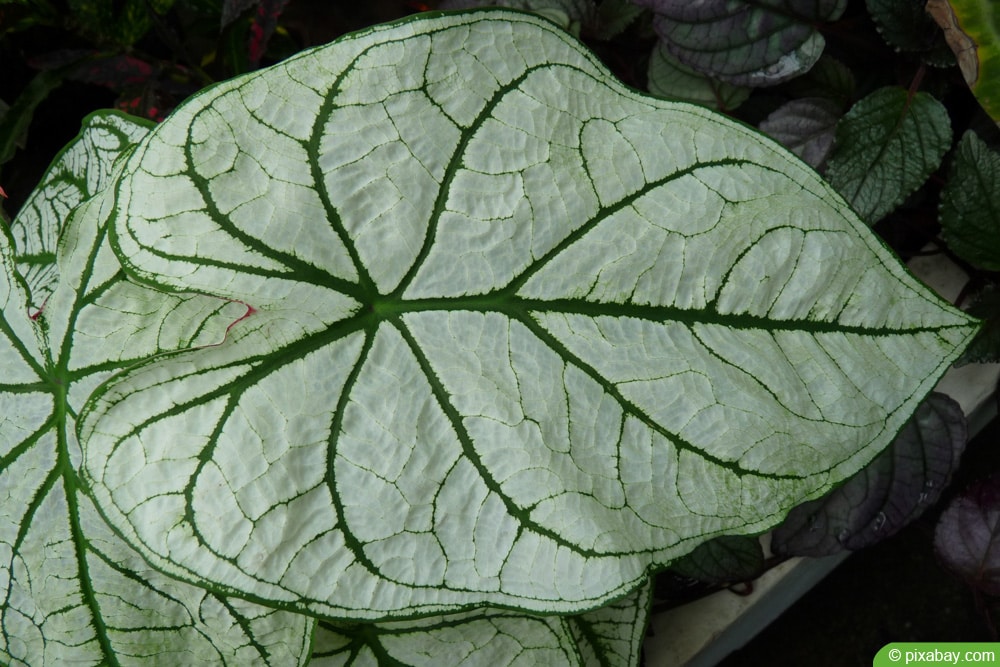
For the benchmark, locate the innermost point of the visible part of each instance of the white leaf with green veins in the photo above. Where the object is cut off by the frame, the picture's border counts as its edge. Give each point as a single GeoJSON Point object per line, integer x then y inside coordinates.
{"type": "Point", "coordinates": [607, 637]}
{"type": "Point", "coordinates": [519, 334]}
{"type": "Point", "coordinates": [71, 591]}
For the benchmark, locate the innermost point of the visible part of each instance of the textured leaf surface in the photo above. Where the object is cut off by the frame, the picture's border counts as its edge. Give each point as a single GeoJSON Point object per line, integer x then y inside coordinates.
{"type": "Point", "coordinates": [806, 127]}
{"type": "Point", "coordinates": [970, 203]}
{"type": "Point", "coordinates": [887, 146]}
{"type": "Point", "coordinates": [571, 15]}
{"type": "Point", "coordinates": [744, 43]}
{"type": "Point", "coordinates": [518, 333]}
{"type": "Point", "coordinates": [887, 494]}
{"type": "Point", "coordinates": [607, 637]}
{"type": "Point", "coordinates": [723, 560]}
{"type": "Point", "coordinates": [71, 592]}
{"type": "Point", "coordinates": [965, 538]}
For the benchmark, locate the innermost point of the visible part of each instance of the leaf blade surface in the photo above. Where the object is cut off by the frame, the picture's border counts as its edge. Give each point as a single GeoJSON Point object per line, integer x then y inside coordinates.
{"type": "Point", "coordinates": [540, 330]}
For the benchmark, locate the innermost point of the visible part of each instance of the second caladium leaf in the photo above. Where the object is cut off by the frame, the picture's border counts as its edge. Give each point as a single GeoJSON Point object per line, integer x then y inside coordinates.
{"type": "Point", "coordinates": [518, 334]}
{"type": "Point", "coordinates": [609, 637]}
{"type": "Point", "coordinates": [71, 591]}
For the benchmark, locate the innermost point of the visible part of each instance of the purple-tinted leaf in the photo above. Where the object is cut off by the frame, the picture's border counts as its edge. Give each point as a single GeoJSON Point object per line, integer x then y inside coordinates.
{"type": "Point", "coordinates": [745, 43]}
{"type": "Point", "coordinates": [265, 21]}
{"type": "Point", "coordinates": [806, 127]}
{"type": "Point", "coordinates": [967, 538]}
{"type": "Point", "coordinates": [726, 559]}
{"type": "Point", "coordinates": [673, 80]}
{"type": "Point", "coordinates": [890, 492]}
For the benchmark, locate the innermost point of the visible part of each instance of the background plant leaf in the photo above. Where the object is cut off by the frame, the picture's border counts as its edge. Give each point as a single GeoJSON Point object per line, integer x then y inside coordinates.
{"type": "Point", "coordinates": [885, 495]}
{"type": "Point", "coordinates": [71, 592]}
{"type": "Point", "coordinates": [571, 15]}
{"type": "Point", "coordinates": [806, 127]}
{"type": "Point", "coordinates": [965, 538]}
{"type": "Point", "coordinates": [723, 560]}
{"type": "Point", "coordinates": [970, 203]}
{"type": "Point", "coordinates": [744, 43]}
{"type": "Point", "coordinates": [972, 32]}
{"type": "Point", "coordinates": [886, 146]}
{"type": "Point", "coordinates": [906, 26]}
{"type": "Point", "coordinates": [476, 264]}
{"type": "Point", "coordinates": [669, 78]}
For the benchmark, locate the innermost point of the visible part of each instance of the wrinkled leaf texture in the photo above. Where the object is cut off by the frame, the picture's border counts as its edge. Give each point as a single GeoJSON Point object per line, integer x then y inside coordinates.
{"type": "Point", "coordinates": [517, 334]}
{"type": "Point", "coordinates": [886, 495]}
{"type": "Point", "coordinates": [71, 591]}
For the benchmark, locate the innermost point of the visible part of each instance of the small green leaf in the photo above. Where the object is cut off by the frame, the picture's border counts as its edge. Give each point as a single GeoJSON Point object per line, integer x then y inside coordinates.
{"type": "Point", "coordinates": [476, 266]}
{"type": "Point", "coordinates": [886, 147]}
{"type": "Point", "coordinates": [970, 203]}
{"type": "Point", "coordinates": [744, 43]}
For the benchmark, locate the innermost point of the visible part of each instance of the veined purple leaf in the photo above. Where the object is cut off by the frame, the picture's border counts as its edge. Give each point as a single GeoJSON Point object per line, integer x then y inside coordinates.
{"type": "Point", "coordinates": [967, 537]}
{"type": "Point", "coordinates": [885, 495]}
{"type": "Point", "coordinates": [744, 43]}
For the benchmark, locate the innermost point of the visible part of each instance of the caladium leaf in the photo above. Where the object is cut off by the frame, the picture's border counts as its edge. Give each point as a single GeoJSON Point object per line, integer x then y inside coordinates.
{"type": "Point", "coordinates": [965, 538]}
{"type": "Point", "coordinates": [607, 637]}
{"type": "Point", "coordinates": [744, 43]}
{"type": "Point", "coordinates": [71, 591]}
{"type": "Point", "coordinates": [519, 334]}
{"type": "Point", "coordinates": [80, 170]}
{"type": "Point", "coordinates": [886, 495]}
{"type": "Point", "coordinates": [886, 147]}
